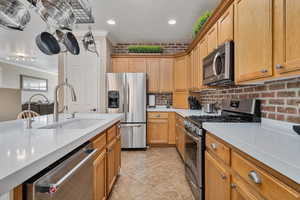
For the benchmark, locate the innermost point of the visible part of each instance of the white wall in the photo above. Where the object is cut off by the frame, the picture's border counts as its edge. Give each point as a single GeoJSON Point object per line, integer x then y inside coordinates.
{"type": "Point", "coordinates": [11, 79]}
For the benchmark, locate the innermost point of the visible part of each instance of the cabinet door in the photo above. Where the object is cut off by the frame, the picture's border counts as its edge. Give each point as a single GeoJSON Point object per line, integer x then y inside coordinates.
{"type": "Point", "coordinates": [287, 40]}
{"type": "Point", "coordinates": [158, 130]}
{"type": "Point", "coordinates": [190, 66]}
{"type": "Point", "coordinates": [172, 135]}
{"type": "Point", "coordinates": [217, 180]}
{"type": "Point", "coordinates": [177, 131]}
{"type": "Point", "coordinates": [180, 74]}
{"type": "Point", "coordinates": [253, 39]}
{"type": "Point", "coordinates": [180, 100]}
{"type": "Point", "coordinates": [182, 142]}
{"type": "Point", "coordinates": [153, 66]}
{"type": "Point", "coordinates": [202, 54]}
{"type": "Point", "coordinates": [118, 155]}
{"type": "Point", "coordinates": [100, 176]}
{"type": "Point", "coordinates": [119, 65]}
{"type": "Point", "coordinates": [240, 191]}
{"type": "Point", "coordinates": [166, 75]}
{"type": "Point", "coordinates": [111, 173]}
{"type": "Point", "coordinates": [137, 65]}
{"type": "Point", "coordinates": [225, 24]}
{"type": "Point", "coordinates": [212, 38]}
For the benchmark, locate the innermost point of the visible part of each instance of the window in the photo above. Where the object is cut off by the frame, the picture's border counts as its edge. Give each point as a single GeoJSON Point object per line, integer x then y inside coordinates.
{"type": "Point", "coordinates": [29, 83]}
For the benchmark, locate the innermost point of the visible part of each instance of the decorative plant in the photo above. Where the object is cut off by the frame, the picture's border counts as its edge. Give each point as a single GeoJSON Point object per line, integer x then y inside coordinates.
{"type": "Point", "coordinates": [200, 22]}
{"type": "Point", "coordinates": [145, 49]}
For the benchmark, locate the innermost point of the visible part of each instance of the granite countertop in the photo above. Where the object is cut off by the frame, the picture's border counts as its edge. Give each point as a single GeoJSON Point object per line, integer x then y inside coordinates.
{"type": "Point", "coordinates": [271, 142]}
{"type": "Point", "coordinates": [182, 112]}
{"type": "Point", "coordinates": [25, 152]}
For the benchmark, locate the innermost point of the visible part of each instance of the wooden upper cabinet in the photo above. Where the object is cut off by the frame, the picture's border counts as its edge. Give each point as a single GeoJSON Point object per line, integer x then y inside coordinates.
{"type": "Point", "coordinates": [202, 54]}
{"type": "Point", "coordinates": [180, 74]}
{"type": "Point", "coordinates": [253, 39]}
{"type": "Point", "coordinates": [225, 26]}
{"type": "Point", "coordinates": [287, 40]}
{"type": "Point", "coordinates": [212, 38]}
{"type": "Point", "coordinates": [216, 177]}
{"type": "Point", "coordinates": [153, 68]}
{"type": "Point", "coordinates": [166, 75]}
{"type": "Point", "coordinates": [119, 65]}
{"type": "Point", "coordinates": [137, 65]}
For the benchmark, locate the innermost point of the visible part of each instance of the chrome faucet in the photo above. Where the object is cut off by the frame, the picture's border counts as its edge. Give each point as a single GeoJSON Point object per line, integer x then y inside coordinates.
{"type": "Point", "coordinates": [29, 119]}
{"type": "Point", "coordinates": [73, 96]}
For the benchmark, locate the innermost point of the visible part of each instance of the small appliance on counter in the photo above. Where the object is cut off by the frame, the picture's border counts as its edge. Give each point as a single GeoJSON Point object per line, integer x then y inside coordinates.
{"type": "Point", "coordinates": [209, 108]}
{"type": "Point", "coordinates": [297, 129]}
{"type": "Point", "coordinates": [151, 101]}
{"type": "Point", "coordinates": [194, 103]}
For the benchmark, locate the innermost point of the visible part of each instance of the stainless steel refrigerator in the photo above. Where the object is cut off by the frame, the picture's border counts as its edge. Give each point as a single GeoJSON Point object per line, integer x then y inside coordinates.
{"type": "Point", "coordinates": [126, 93]}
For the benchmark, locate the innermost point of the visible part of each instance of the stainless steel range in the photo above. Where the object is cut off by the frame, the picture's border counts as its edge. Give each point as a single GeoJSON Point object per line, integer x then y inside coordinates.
{"type": "Point", "coordinates": [232, 112]}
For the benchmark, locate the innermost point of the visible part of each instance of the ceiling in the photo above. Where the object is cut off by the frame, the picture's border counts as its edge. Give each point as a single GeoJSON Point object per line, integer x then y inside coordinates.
{"type": "Point", "coordinates": [147, 20]}
{"type": "Point", "coordinates": [137, 21]}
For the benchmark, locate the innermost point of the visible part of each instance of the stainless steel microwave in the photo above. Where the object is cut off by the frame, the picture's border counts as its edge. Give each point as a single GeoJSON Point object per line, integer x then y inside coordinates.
{"type": "Point", "coordinates": [218, 67]}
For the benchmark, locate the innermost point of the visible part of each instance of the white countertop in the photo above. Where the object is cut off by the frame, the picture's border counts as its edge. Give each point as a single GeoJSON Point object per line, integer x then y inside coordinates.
{"type": "Point", "coordinates": [182, 112]}
{"type": "Point", "coordinates": [271, 142]}
{"type": "Point", "coordinates": [25, 152]}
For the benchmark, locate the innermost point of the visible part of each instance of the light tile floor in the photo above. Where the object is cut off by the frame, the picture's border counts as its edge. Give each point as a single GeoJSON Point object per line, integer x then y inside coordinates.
{"type": "Point", "coordinates": [155, 174]}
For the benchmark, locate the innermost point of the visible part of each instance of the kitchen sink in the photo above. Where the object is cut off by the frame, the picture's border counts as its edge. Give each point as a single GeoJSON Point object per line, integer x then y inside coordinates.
{"type": "Point", "coordinates": [73, 124]}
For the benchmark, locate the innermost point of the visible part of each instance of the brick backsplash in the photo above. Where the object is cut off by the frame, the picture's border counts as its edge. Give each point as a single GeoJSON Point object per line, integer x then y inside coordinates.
{"type": "Point", "coordinates": [163, 99]}
{"type": "Point", "coordinates": [280, 99]}
{"type": "Point", "coordinates": [168, 48]}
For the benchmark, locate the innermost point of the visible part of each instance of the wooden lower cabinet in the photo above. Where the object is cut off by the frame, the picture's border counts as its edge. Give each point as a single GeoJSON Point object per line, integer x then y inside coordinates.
{"type": "Point", "coordinates": [111, 158]}
{"type": "Point", "coordinates": [240, 191]}
{"type": "Point", "coordinates": [217, 180]}
{"type": "Point", "coordinates": [118, 155]}
{"type": "Point", "coordinates": [180, 136]}
{"type": "Point", "coordinates": [158, 131]}
{"type": "Point", "coordinates": [100, 176]}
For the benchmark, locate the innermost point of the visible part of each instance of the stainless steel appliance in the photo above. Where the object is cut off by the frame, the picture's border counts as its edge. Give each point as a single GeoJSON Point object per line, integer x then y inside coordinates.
{"type": "Point", "coordinates": [127, 94]}
{"type": "Point", "coordinates": [232, 111]}
{"type": "Point", "coordinates": [194, 104]}
{"type": "Point", "coordinates": [218, 67]}
{"type": "Point", "coordinates": [209, 108]}
{"type": "Point", "coordinates": [70, 178]}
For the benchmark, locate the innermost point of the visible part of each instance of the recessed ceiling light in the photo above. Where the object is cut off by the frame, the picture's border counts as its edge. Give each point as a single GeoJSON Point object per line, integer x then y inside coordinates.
{"type": "Point", "coordinates": [172, 22]}
{"type": "Point", "coordinates": [111, 22]}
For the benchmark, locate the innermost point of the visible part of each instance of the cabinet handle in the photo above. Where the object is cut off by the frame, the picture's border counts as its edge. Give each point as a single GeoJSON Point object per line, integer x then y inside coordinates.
{"type": "Point", "coordinates": [110, 150]}
{"type": "Point", "coordinates": [264, 71]}
{"type": "Point", "coordinates": [158, 115]}
{"type": "Point", "coordinates": [213, 146]}
{"type": "Point", "coordinates": [233, 185]}
{"type": "Point", "coordinates": [279, 66]}
{"type": "Point", "coordinates": [223, 176]}
{"type": "Point", "coordinates": [255, 177]}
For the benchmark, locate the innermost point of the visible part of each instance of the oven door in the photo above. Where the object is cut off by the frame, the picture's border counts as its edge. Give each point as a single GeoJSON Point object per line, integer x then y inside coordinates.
{"type": "Point", "coordinates": [194, 163]}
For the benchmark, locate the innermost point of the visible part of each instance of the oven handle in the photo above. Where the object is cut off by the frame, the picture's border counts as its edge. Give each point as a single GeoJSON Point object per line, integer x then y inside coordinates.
{"type": "Point", "coordinates": [193, 137]}
{"type": "Point", "coordinates": [214, 63]}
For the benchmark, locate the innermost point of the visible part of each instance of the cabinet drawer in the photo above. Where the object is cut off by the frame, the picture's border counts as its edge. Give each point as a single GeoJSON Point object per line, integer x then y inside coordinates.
{"type": "Point", "coordinates": [100, 141]}
{"type": "Point", "coordinates": [111, 133]}
{"type": "Point", "coordinates": [158, 115]}
{"type": "Point", "coordinates": [266, 184]}
{"type": "Point", "coordinates": [218, 148]}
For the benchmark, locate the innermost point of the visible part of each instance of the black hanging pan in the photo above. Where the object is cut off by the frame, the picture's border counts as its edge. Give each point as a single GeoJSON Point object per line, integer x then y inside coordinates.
{"type": "Point", "coordinates": [47, 43]}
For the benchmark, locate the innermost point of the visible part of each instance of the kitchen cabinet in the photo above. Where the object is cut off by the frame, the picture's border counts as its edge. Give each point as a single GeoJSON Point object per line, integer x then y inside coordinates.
{"type": "Point", "coordinates": [137, 65]}
{"type": "Point", "coordinates": [180, 136]}
{"type": "Point", "coordinates": [111, 160]}
{"type": "Point", "coordinates": [118, 155]}
{"type": "Point", "coordinates": [217, 180]}
{"type": "Point", "coordinates": [172, 123]}
{"type": "Point", "coordinates": [203, 52]}
{"type": "Point", "coordinates": [212, 38]}
{"type": "Point", "coordinates": [195, 75]}
{"type": "Point", "coordinates": [253, 39]}
{"type": "Point", "coordinates": [119, 65]}
{"type": "Point", "coordinates": [166, 75]}
{"type": "Point", "coordinates": [153, 70]}
{"type": "Point", "coordinates": [190, 66]}
{"type": "Point", "coordinates": [100, 176]}
{"type": "Point", "coordinates": [225, 26]}
{"type": "Point", "coordinates": [240, 191]}
{"type": "Point", "coordinates": [180, 100]}
{"type": "Point", "coordinates": [180, 74]}
{"type": "Point", "coordinates": [158, 128]}
{"type": "Point", "coordinates": [286, 37]}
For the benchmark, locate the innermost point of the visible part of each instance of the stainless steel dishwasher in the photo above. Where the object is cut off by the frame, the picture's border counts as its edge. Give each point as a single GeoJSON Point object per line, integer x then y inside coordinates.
{"type": "Point", "coordinates": [71, 178]}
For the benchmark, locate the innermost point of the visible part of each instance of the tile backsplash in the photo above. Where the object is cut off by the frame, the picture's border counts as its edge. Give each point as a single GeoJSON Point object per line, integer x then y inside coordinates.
{"type": "Point", "coordinates": [163, 99]}
{"type": "Point", "coordinates": [280, 99]}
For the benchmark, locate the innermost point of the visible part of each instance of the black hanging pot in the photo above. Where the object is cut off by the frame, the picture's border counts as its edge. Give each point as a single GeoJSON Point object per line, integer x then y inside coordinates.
{"type": "Point", "coordinates": [47, 43]}
{"type": "Point", "coordinates": [71, 43]}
